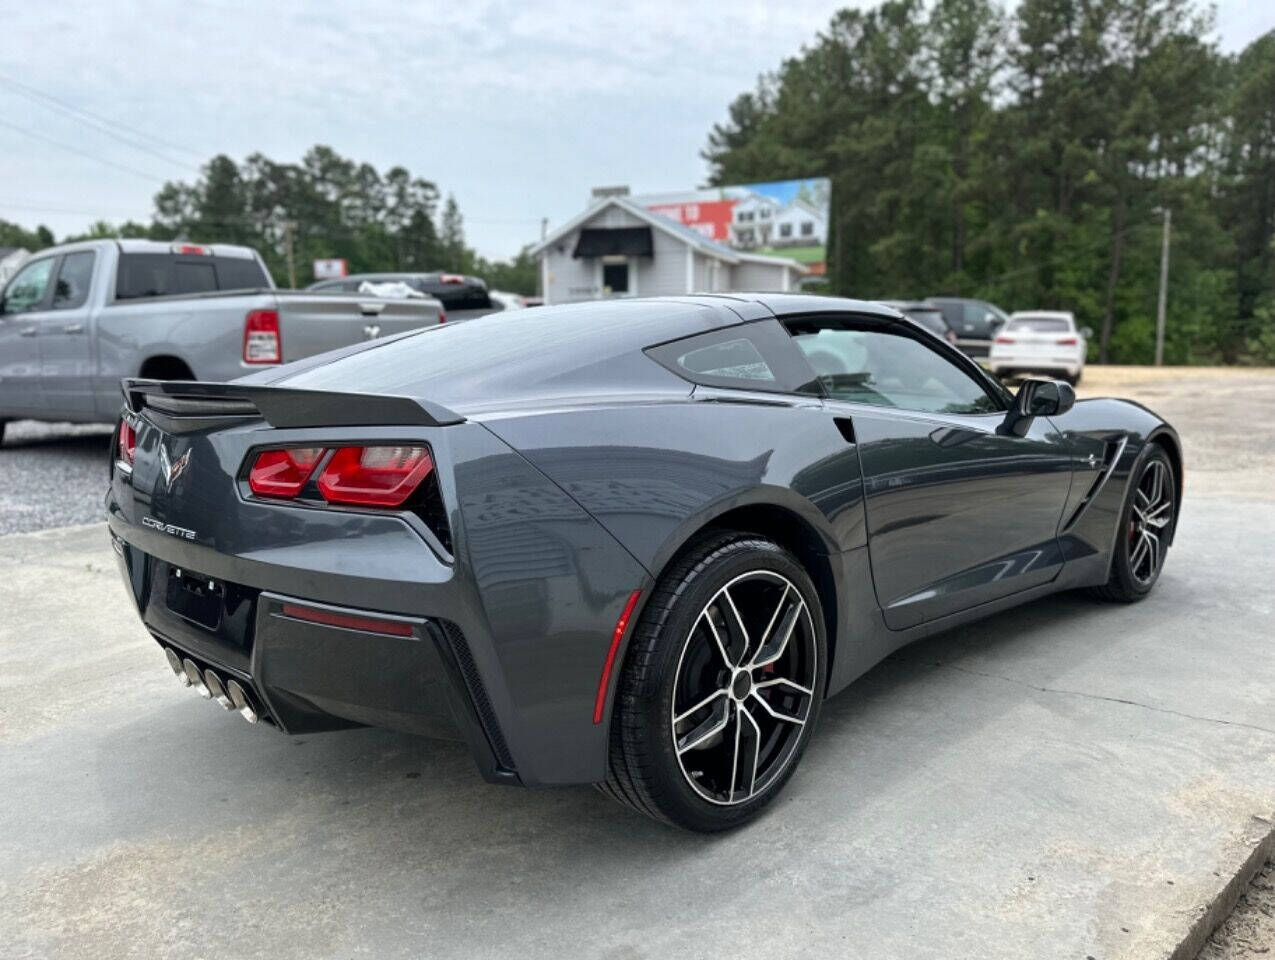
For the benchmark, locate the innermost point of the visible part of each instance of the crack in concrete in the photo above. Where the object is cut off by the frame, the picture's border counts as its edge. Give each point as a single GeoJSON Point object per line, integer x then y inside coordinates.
{"type": "Point", "coordinates": [1096, 696]}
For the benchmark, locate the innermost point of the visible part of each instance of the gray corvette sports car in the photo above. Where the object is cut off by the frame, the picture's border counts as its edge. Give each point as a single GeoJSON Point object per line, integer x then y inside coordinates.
{"type": "Point", "coordinates": [633, 543]}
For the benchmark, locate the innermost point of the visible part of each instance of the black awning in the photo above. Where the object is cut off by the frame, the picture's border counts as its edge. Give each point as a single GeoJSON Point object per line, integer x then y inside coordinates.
{"type": "Point", "coordinates": [614, 242]}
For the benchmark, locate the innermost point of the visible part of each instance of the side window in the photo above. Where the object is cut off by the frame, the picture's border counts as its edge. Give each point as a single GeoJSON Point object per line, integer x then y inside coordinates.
{"type": "Point", "coordinates": [736, 359]}
{"type": "Point", "coordinates": [865, 364]}
{"type": "Point", "coordinates": [26, 291]}
{"type": "Point", "coordinates": [74, 277]}
{"type": "Point", "coordinates": [749, 356]}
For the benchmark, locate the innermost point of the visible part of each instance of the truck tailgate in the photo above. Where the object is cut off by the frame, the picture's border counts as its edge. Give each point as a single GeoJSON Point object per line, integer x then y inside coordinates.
{"type": "Point", "coordinates": [311, 323]}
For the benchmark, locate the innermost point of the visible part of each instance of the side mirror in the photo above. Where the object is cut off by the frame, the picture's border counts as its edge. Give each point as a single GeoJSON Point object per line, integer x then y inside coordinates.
{"type": "Point", "coordinates": [1038, 398]}
{"type": "Point", "coordinates": [1087, 332]}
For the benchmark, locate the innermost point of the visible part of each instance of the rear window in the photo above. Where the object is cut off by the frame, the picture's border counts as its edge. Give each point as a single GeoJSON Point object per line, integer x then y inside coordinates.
{"type": "Point", "coordinates": [144, 275]}
{"type": "Point", "coordinates": [1039, 325]}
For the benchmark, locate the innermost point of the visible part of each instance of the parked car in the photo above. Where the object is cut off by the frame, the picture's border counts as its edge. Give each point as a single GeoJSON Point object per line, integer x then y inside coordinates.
{"type": "Point", "coordinates": [76, 318]}
{"type": "Point", "coordinates": [635, 543]}
{"type": "Point", "coordinates": [1040, 341]}
{"type": "Point", "coordinates": [508, 301]}
{"type": "Point", "coordinates": [974, 321]}
{"type": "Point", "coordinates": [926, 315]}
{"type": "Point", "coordinates": [462, 297]}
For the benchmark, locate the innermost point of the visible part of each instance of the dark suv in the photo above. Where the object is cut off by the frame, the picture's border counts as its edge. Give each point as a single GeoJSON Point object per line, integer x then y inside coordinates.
{"type": "Point", "coordinates": [975, 322]}
{"type": "Point", "coordinates": [462, 297]}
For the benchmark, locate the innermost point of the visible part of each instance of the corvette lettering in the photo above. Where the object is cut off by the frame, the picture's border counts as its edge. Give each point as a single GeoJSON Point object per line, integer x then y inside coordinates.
{"type": "Point", "coordinates": [168, 528]}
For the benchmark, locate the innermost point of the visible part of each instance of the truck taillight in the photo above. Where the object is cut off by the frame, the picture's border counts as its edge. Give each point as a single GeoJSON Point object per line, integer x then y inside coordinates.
{"type": "Point", "coordinates": [261, 340]}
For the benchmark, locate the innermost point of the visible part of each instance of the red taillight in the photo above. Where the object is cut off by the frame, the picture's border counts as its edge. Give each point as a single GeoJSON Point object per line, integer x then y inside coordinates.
{"type": "Point", "coordinates": [261, 340]}
{"type": "Point", "coordinates": [374, 476]}
{"type": "Point", "coordinates": [621, 625]}
{"type": "Point", "coordinates": [283, 473]}
{"type": "Point", "coordinates": [348, 621]}
{"type": "Point", "coordinates": [1066, 341]}
{"type": "Point", "coordinates": [127, 443]}
{"type": "Point", "coordinates": [451, 278]}
{"type": "Point", "coordinates": [442, 317]}
{"type": "Point", "coordinates": [1004, 340]}
{"type": "Point", "coordinates": [190, 249]}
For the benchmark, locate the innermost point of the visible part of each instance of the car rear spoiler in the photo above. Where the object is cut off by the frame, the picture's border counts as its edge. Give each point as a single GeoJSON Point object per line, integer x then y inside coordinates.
{"type": "Point", "coordinates": [196, 402]}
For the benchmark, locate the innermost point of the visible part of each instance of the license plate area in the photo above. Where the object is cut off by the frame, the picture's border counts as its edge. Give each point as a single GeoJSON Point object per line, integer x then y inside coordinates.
{"type": "Point", "coordinates": [220, 608]}
{"type": "Point", "coordinates": [195, 597]}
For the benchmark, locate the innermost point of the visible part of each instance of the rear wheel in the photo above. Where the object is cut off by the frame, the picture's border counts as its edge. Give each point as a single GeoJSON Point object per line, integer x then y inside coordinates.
{"type": "Point", "coordinates": [721, 686]}
{"type": "Point", "coordinates": [1146, 527]}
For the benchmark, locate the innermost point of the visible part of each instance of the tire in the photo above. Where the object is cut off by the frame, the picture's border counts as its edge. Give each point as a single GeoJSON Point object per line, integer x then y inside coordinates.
{"type": "Point", "coordinates": [1136, 561]}
{"type": "Point", "coordinates": [1074, 380]}
{"type": "Point", "coordinates": [2, 423]}
{"type": "Point", "coordinates": [681, 763]}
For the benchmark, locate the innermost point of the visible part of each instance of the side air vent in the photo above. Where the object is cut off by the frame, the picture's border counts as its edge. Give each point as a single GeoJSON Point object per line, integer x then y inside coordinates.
{"type": "Point", "coordinates": [1110, 457]}
{"type": "Point", "coordinates": [478, 694]}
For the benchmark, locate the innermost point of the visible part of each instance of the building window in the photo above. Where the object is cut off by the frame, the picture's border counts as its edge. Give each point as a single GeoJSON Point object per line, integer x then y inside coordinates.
{"type": "Point", "coordinates": [615, 278]}
{"type": "Point", "coordinates": [785, 229]}
{"type": "Point", "coordinates": [746, 236]}
{"type": "Point", "coordinates": [807, 228]}
{"type": "Point", "coordinates": [745, 216]}
{"type": "Point", "coordinates": [764, 213]}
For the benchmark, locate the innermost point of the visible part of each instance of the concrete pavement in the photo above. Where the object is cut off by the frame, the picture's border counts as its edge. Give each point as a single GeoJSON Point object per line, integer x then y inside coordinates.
{"type": "Point", "coordinates": [1073, 779]}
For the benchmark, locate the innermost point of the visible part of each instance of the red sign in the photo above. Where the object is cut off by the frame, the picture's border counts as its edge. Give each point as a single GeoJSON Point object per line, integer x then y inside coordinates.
{"type": "Point", "coordinates": [711, 218]}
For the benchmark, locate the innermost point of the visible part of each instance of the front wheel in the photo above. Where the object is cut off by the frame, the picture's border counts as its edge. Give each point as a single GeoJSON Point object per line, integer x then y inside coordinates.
{"type": "Point", "coordinates": [721, 686]}
{"type": "Point", "coordinates": [1146, 527]}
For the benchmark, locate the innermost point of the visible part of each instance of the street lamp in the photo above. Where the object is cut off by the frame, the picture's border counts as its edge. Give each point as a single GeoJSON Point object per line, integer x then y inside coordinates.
{"type": "Point", "coordinates": [1164, 286]}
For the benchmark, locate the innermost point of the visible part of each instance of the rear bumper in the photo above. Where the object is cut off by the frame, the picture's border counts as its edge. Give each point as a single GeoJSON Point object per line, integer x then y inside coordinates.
{"type": "Point", "coordinates": [306, 677]}
{"type": "Point", "coordinates": [1012, 366]}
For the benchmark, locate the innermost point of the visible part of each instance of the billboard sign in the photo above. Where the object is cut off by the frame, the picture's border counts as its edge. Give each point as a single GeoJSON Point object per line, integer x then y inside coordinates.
{"type": "Point", "coordinates": [783, 218]}
{"type": "Point", "coordinates": [330, 269]}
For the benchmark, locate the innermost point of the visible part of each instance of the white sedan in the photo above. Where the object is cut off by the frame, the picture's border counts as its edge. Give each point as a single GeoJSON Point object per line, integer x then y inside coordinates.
{"type": "Point", "coordinates": [1039, 341]}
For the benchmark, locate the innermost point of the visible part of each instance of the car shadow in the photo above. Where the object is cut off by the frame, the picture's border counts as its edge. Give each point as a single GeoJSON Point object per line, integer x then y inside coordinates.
{"type": "Point", "coordinates": [73, 438]}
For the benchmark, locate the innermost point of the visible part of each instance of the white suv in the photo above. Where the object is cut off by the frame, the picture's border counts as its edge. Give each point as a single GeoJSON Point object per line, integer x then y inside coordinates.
{"type": "Point", "coordinates": [1039, 341]}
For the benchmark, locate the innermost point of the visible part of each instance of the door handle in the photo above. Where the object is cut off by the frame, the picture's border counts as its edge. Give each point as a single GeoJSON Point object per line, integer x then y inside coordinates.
{"type": "Point", "coordinates": [73, 328]}
{"type": "Point", "coordinates": [27, 332]}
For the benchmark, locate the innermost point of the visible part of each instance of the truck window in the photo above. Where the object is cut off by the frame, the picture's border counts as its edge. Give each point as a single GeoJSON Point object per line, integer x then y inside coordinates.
{"type": "Point", "coordinates": [239, 273]}
{"type": "Point", "coordinates": [26, 291]}
{"type": "Point", "coordinates": [74, 277]}
{"type": "Point", "coordinates": [193, 276]}
{"type": "Point", "coordinates": [163, 274]}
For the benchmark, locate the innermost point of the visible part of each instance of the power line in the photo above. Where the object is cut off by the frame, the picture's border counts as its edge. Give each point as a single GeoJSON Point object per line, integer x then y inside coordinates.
{"type": "Point", "coordinates": [102, 124]}
{"type": "Point", "coordinates": [83, 153]}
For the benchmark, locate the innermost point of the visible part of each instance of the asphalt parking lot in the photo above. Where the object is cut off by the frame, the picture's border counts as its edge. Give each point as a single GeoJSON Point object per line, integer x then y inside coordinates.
{"type": "Point", "coordinates": [1073, 779]}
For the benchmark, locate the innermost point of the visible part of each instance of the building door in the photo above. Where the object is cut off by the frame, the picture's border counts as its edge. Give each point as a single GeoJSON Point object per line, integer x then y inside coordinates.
{"type": "Point", "coordinates": [615, 279]}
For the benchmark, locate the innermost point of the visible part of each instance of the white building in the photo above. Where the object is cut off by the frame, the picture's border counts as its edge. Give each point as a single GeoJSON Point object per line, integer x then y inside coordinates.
{"type": "Point", "coordinates": [618, 248]}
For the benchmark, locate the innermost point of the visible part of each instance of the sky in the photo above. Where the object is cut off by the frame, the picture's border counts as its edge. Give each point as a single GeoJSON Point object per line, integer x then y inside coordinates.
{"type": "Point", "coordinates": [518, 107]}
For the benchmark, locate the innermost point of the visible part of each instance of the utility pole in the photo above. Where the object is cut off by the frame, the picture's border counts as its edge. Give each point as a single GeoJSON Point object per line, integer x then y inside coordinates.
{"type": "Point", "coordinates": [1164, 288]}
{"type": "Point", "coordinates": [289, 230]}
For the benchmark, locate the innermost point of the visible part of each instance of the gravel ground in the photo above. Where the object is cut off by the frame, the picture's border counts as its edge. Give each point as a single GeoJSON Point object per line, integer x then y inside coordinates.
{"type": "Point", "coordinates": [52, 475]}
{"type": "Point", "coordinates": [1250, 930]}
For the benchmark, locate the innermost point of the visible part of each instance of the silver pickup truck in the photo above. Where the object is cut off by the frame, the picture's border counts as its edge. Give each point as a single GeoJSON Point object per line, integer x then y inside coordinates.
{"type": "Point", "coordinates": [76, 318]}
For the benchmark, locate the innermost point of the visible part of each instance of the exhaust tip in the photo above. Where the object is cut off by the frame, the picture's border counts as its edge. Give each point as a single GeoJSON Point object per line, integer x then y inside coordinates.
{"type": "Point", "coordinates": [218, 692]}
{"type": "Point", "coordinates": [241, 701]}
{"type": "Point", "coordinates": [175, 662]}
{"type": "Point", "coordinates": [196, 679]}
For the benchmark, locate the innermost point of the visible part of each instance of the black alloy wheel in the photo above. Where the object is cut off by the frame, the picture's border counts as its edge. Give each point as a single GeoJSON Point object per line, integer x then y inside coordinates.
{"type": "Point", "coordinates": [721, 686]}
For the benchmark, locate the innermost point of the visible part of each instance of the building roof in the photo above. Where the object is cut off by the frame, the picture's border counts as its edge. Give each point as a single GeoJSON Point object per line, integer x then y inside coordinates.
{"type": "Point", "coordinates": [679, 231]}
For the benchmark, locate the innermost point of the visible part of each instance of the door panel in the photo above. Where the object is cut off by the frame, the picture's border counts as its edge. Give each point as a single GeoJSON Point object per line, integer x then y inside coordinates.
{"type": "Point", "coordinates": [23, 307]}
{"type": "Point", "coordinates": [66, 355]}
{"type": "Point", "coordinates": [957, 513]}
